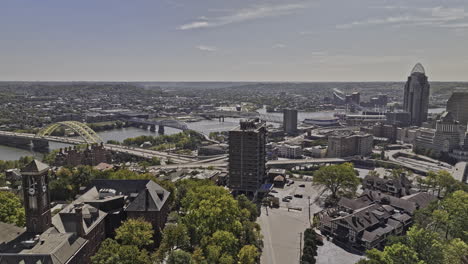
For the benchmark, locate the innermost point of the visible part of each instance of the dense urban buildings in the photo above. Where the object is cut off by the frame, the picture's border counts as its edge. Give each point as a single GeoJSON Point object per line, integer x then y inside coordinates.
{"type": "Point", "coordinates": [90, 155]}
{"type": "Point", "coordinates": [290, 121]}
{"type": "Point", "coordinates": [457, 104]}
{"type": "Point", "coordinates": [416, 95]}
{"type": "Point", "coordinates": [349, 143]}
{"type": "Point", "coordinates": [247, 156]}
{"type": "Point", "coordinates": [447, 136]}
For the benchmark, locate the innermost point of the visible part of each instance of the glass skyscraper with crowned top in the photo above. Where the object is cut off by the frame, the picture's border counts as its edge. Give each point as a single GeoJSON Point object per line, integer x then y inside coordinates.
{"type": "Point", "coordinates": [416, 99]}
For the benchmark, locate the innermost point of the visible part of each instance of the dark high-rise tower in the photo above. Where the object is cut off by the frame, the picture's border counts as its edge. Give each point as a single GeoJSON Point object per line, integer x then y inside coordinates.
{"type": "Point", "coordinates": [416, 100]}
{"type": "Point", "coordinates": [247, 156]}
{"type": "Point", "coordinates": [36, 197]}
{"type": "Point", "coordinates": [290, 121]}
{"type": "Point", "coordinates": [457, 104]}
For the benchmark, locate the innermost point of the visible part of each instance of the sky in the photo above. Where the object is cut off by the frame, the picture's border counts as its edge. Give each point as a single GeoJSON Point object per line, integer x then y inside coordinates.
{"type": "Point", "coordinates": [232, 40]}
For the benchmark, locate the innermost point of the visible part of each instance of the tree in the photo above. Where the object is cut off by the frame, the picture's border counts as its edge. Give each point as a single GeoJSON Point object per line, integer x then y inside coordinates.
{"type": "Point", "coordinates": [451, 216]}
{"type": "Point", "coordinates": [248, 255]}
{"type": "Point", "coordinates": [176, 237]}
{"type": "Point", "coordinates": [310, 247]}
{"type": "Point", "coordinates": [401, 254]}
{"type": "Point", "coordinates": [209, 209]}
{"type": "Point", "coordinates": [455, 252]}
{"type": "Point", "coordinates": [337, 179]}
{"type": "Point", "coordinates": [111, 252]}
{"type": "Point", "coordinates": [394, 254]}
{"type": "Point", "coordinates": [426, 243]}
{"type": "Point", "coordinates": [227, 243]}
{"type": "Point", "coordinates": [245, 203]}
{"type": "Point", "coordinates": [440, 181]}
{"type": "Point", "coordinates": [135, 232]}
{"type": "Point", "coordinates": [179, 257]}
{"type": "Point", "coordinates": [11, 209]}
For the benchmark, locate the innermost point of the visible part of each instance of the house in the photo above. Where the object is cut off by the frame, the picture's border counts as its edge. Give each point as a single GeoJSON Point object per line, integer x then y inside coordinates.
{"type": "Point", "coordinates": [398, 187]}
{"type": "Point", "coordinates": [367, 221]}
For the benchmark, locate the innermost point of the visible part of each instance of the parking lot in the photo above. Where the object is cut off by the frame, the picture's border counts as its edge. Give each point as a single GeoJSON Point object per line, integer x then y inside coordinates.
{"type": "Point", "coordinates": [282, 226]}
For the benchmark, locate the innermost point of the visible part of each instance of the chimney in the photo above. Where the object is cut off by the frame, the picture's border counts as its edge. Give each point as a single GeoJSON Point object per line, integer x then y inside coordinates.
{"type": "Point", "coordinates": [146, 199]}
{"type": "Point", "coordinates": [79, 219]}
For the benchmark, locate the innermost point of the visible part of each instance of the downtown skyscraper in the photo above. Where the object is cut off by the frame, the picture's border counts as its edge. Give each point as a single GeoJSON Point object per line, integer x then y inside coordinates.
{"type": "Point", "coordinates": [416, 98]}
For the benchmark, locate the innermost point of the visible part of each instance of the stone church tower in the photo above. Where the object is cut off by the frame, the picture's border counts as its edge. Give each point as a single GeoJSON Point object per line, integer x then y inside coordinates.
{"type": "Point", "coordinates": [36, 197]}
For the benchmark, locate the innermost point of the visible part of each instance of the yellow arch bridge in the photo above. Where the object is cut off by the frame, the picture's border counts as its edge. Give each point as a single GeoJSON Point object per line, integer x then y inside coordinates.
{"type": "Point", "coordinates": [85, 132]}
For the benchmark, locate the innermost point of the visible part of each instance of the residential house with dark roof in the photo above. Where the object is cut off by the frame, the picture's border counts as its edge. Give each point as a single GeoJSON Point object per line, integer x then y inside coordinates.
{"type": "Point", "coordinates": [367, 221]}
{"type": "Point", "coordinates": [398, 187]}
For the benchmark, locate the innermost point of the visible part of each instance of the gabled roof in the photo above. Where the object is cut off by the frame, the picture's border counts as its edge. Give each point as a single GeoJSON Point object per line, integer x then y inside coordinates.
{"type": "Point", "coordinates": [382, 198]}
{"type": "Point", "coordinates": [66, 221]}
{"type": "Point", "coordinates": [8, 233]}
{"type": "Point", "coordinates": [421, 199]}
{"type": "Point", "coordinates": [365, 217]}
{"type": "Point", "coordinates": [149, 196]}
{"type": "Point", "coordinates": [35, 167]}
{"type": "Point", "coordinates": [352, 204]}
{"type": "Point", "coordinates": [52, 248]}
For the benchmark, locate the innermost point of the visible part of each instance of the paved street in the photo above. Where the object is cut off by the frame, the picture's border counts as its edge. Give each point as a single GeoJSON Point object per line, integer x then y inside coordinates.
{"type": "Point", "coordinates": [281, 230]}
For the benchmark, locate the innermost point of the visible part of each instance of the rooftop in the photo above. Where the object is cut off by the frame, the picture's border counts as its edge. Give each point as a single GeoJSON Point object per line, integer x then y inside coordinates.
{"type": "Point", "coordinates": [418, 68]}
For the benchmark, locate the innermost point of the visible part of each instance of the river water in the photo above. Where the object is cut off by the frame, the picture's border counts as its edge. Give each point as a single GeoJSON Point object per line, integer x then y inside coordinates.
{"type": "Point", "coordinates": [204, 126]}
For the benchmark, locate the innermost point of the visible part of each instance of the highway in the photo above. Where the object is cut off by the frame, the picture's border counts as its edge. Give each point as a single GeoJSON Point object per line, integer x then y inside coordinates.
{"type": "Point", "coordinates": [139, 152]}
{"type": "Point", "coordinates": [276, 163]}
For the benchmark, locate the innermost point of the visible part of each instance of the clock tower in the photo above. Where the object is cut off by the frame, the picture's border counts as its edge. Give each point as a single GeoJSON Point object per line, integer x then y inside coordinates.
{"type": "Point", "coordinates": [36, 197]}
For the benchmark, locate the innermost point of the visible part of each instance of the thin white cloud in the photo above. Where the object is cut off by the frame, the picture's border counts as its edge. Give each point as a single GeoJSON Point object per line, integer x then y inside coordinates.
{"type": "Point", "coordinates": [197, 24]}
{"type": "Point", "coordinates": [206, 48]}
{"type": "Point", "coordinates": [435, 16]}
{"type": "Point", "coordinates": [242, 15]}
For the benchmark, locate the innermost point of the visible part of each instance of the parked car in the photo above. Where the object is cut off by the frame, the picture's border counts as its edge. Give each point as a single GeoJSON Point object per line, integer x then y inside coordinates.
{"type": "Point", "coordinates": [302, 185]}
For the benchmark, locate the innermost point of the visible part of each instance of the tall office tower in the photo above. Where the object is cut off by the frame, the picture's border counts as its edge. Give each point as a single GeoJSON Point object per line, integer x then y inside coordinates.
{"type": "Point", "coordinates": [290, 121]}
{"type": "Point", "coordinates": [458, 106]}
{"type": "Point", "coordinates": [247, 156]}
{"type": "Point", "coordinates": [416, 100]}
{"type": "Point", "coordinates": [356, 98]}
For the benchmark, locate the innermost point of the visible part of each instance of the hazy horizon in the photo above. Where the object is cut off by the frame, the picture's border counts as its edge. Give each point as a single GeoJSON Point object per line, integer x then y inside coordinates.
{"type": "Point", "coordinates": [234, 41]}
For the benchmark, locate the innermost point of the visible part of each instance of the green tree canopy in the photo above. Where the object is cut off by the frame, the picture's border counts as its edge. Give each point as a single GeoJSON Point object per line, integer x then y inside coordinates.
{"type": "Point", "coordinates": [111, 252]}
{"type": "Point", "coordinates": [394, 254]}
{"type": "Point", "coordinates": [209, 209]}
{"type": "Point", "coordinates": [248, 255]}
{"type": "Point", "coordinates": [179, 257]}
{"type": "Point", "coordinates": [135, 232]}
{"type": "Point", "coordinates": [11, 209]}
{"type": "Point", "coordinates": [337, 179]}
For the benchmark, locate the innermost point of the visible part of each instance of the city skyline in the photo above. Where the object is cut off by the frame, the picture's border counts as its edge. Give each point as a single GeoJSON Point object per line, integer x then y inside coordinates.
{"type": "Point", "coordinates": [267, 40]}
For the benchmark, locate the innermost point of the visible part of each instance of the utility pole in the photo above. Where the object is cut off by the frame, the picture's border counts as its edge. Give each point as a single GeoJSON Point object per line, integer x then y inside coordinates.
{"type": "Point", "coordinates": [300, 247]}
{"type": "Point", "coordinates": [310, 223]}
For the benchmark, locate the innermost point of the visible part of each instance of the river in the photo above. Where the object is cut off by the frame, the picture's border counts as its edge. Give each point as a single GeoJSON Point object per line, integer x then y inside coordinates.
{"type": "Point", "coordinates": [204, 126]}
